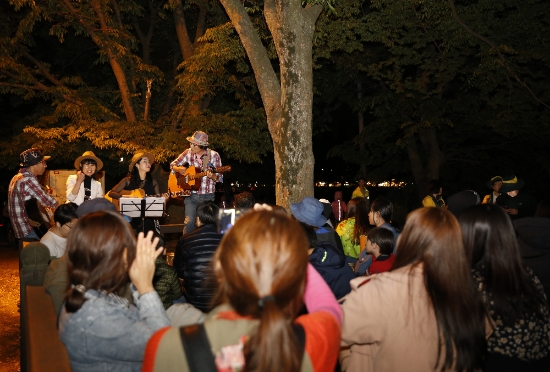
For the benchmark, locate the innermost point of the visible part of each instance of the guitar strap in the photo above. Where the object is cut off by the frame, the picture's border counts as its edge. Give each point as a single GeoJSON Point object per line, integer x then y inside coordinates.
{"type": "Point", "coordinates": [206, 160]}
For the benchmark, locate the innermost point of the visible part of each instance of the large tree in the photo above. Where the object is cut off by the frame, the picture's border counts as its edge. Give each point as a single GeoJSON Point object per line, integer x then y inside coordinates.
{"type": "Point", "coordinates": [287, 96]}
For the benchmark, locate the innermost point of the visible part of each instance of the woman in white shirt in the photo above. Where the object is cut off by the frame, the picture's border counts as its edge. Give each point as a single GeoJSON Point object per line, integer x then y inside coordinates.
{"type": "Point", "coordinates": [56, 237]}
{"type": "Point", "coordinates": [82, 186]}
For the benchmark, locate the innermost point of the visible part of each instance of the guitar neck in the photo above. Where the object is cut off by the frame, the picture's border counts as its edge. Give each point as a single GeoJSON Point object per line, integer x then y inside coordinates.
{"type": "Point", "coordinates": [217, 170]}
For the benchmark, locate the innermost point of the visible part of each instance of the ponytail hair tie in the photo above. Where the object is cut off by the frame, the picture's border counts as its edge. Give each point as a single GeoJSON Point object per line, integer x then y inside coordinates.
{"type": "Point", "coordinates": [263, 300]}
{"type": "Point", "coordinates": [80, 288]}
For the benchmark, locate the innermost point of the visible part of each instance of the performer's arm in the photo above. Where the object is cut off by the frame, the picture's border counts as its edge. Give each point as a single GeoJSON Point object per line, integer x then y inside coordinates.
{"type": "Point", "coordinates": [36, 192]}
{"type": "Point", "coordinates": [116, 192]}
{"type": "Point", "coordinates": [177, 165]}
{"type": "Point", "coordinates": [76, 186]}
{"type": "Point", "coordinates": [217, 163]}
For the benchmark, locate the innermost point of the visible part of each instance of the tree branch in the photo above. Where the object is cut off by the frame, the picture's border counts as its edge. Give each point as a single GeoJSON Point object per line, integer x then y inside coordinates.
{"type": "Point", "coordinates": [493, 45]}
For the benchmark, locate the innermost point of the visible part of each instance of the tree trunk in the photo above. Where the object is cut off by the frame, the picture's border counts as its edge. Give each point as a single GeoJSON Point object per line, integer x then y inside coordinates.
{"type": "Point", "coordinates": [434, 158]}
{"type": "Point", "coordinates": [288, 103]}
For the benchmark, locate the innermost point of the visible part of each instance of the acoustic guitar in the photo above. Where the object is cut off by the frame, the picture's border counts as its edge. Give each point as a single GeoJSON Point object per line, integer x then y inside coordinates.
{"type": "Point", "coordinates": [39, 217]}
{"type": "Point", "coordinates": [191, 180]}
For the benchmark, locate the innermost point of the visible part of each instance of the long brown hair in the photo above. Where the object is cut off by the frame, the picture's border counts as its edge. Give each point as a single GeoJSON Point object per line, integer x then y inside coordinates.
{"type": "Point", "coordinates": [432, 238]}
{"type": "Point", "coordinates": [265, 254]}
{"type": "Point", "coordinates": [492, 247]}
{"type": "Point", "coordinates": [358, 208]}
{"type": "Point", "coordinates": [95, 252]}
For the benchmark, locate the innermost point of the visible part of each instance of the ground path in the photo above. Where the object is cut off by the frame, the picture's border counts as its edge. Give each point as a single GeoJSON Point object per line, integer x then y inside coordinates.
{"type": "Point", "coordinates": [9, 312]}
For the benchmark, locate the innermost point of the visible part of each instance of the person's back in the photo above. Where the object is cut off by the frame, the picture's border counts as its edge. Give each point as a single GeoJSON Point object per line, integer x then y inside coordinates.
{"type": "Point", "coordinates": [513, 295]}
{"type": "Point", "coordinates": [416, 317]}
{"type": "Point", "coordinates": [193, 257]}
{"type": "Point", "coordinates": [331, 264]}
{"type": "Point", "coordinates": [262, 275]}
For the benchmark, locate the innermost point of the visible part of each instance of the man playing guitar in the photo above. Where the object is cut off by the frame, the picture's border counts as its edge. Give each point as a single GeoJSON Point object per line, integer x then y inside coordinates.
{"type": "Point", "coordinates": [201, 157]}
{"type": "Point", "coordinates": [24, 186]}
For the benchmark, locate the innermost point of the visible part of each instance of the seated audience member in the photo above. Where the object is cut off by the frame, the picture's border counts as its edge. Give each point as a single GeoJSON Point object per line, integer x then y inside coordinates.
{"type": "Point", "coordinates": [57, 280]}
{"type": "Point", "coordinates": [351, 229]}
{"type": "Point", "coordinates": [56, 237]}
{"type": "Point", "coordinates": [329, 262]}
{"type": "Point", "coordinates": [264, 279]}
{"type": "Point", "coordinates": [434, 197]}
{"type": "Point", "coordinates": [193, 257]}
{"type": "Point", "coordinates": [423, 315]}
{"type": "Point", "coordinates": [99, 327]}
{"type": "Point", "coordinates": [462, 200]}
{"type": "Point", "coordinates": [310, 211]}
{"type": "Point", "coordinates": [327, 213]}
{"type": "Point", "coordinates": [380, 246]}
{"type": "Point", "coordinates": [516, 202]}
{"type": "Point", "coordinates": [244, 200]}
{"type": "Point", "coordinates": [166, 282]}
{"type": "Point", "coordinates": [513, 296]}
{"type": "Point", "coordinates": [380, 215]}
{"type": "Point", "coordinates": [534, 243]}
{"type": "Point", "coordinates": [494, 184]}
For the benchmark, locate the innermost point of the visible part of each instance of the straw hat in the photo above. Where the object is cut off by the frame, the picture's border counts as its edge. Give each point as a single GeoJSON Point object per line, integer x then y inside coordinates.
{"type": "Point", "coordinates": [138, 156]}
{"type": "Point", "coordinates": [88, 155]}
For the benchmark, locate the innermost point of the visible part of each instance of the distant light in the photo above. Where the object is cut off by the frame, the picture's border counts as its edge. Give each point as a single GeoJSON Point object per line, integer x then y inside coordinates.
{"type": "Point", "coordinates": [121, 160]}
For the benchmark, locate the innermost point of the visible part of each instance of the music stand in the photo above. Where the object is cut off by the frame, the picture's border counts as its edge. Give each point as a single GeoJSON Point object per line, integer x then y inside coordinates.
{"type": "Point", "coordinates": [142, 207]}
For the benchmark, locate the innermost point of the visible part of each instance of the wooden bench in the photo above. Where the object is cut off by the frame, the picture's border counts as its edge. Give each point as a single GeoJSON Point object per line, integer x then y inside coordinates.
{"type": "Point", "coordinates": [44, 350]}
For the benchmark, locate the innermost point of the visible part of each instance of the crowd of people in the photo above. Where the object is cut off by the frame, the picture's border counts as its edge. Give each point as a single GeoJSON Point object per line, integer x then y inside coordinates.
{"type": "Point", "coordinates": [324, 286]}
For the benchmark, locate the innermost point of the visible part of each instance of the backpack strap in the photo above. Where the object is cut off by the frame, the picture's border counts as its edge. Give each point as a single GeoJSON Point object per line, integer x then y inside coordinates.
{"type": "Point", "coordinates": [197, 349]}
{"type": "Point", "coordinates": [199, 354]}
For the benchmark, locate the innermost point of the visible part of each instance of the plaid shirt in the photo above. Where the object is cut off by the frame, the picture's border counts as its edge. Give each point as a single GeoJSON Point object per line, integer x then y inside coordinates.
{"type": "Point", "coordinates": [24, 186]}
{"type": "Point", "coordinates": [208, 186]}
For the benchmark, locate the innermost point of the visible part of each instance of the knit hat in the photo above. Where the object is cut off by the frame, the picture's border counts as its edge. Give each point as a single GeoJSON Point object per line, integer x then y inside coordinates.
{"type": "Point", "coordinates": [95, 205]}
{"type": "Point", "coordinates": [310, 211]}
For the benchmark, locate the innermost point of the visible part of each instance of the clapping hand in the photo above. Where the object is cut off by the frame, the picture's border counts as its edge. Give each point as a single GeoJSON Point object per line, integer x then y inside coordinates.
{"type": "Point", "coordinates": [143, 268]}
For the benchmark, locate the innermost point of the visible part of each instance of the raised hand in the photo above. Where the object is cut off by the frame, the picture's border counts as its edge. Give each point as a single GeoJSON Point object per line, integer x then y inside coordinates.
{"type": "Point", "coordinates": [142, 269]}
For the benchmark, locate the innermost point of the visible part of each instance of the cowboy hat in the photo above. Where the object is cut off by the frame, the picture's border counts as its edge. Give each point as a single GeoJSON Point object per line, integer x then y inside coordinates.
{"type": "Point", "coordinates": [511, 183]}
{"type": "Point", "coordinates": [493, 180]}
{"type": "Point", "coordinates": [88, 155]}
{"type": "Point", "coordinates": [199, 138]}
{"type": "Point", "coordinates": [138, 156]}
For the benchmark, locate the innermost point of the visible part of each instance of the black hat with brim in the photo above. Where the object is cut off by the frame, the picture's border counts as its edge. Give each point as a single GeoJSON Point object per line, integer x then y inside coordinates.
{"type": "Point", "coordinates": [511, 183]}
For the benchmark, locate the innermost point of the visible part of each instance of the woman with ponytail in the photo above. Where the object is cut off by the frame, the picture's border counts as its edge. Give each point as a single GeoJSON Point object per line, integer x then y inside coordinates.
{"type": "Point", "coordinates": [261, 268]}
{"type": "Point", "coordinates": [101, 330]}
{"type": "Point", "coordinates": [424, 314]}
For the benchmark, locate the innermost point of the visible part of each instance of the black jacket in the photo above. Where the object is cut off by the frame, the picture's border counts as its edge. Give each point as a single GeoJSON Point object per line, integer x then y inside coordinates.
{"type": "Point", "coordinates": [331, 264]}
{"type": "Point", "coordinates": [192, 261]}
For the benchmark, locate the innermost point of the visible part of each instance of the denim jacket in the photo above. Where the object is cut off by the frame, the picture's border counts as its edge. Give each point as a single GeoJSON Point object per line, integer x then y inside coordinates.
{"type": "Point", "coordinates": [109, 334]}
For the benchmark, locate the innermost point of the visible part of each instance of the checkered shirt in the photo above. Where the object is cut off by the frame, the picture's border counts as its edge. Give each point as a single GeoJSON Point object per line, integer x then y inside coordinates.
{"type": "Point", "coordinates": [208, 186]}
{"type": "Point", "coordinates": [24, 186]}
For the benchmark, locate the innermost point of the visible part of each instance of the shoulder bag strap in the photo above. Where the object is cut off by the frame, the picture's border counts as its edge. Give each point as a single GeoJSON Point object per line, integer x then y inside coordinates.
{"type": "Point", "coordinates": [197, 349]}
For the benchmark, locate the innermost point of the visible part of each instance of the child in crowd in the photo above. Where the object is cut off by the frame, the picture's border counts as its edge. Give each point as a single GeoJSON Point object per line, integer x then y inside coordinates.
{"type": "Point", "coordinates": [380, 245]}
{"type": "Point", "coordinates": [56, 237]}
